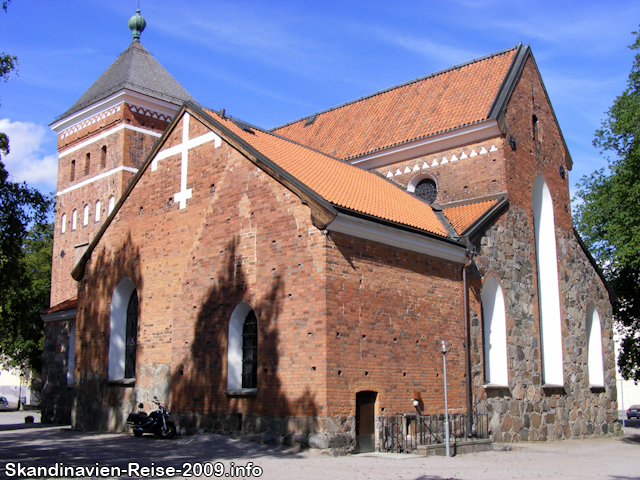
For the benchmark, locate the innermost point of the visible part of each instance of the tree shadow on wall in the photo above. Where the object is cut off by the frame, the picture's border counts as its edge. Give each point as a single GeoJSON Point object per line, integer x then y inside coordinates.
{"type": "Point", "coordinates": [99, 405]}
{"type": "Point", "coordinates": [199, 379]}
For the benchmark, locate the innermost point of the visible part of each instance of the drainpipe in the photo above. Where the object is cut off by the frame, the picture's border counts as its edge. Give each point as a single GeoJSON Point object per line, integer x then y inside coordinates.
{"type": "Point", "coordinates": [467, 353]}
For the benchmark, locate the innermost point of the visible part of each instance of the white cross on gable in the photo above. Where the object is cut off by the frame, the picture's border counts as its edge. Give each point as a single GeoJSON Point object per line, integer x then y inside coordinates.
{"type": "Point", "coordinates": [185, 193]}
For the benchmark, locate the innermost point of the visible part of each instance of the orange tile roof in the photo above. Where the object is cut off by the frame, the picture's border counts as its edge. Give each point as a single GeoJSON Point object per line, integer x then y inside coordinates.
{"type": "Point", "coordinates": [456, 97]}
{"type": "Point", "coordinates": [66, 305]}
{"type": "Point", "coordinates": [462, 216]}
{"type": "Point", "coordinates": [340, 183]}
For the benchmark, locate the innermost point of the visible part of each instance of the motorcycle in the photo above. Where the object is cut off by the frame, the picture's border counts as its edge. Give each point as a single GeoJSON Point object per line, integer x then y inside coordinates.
{"type": "Point", "coordinates": [157, 422]}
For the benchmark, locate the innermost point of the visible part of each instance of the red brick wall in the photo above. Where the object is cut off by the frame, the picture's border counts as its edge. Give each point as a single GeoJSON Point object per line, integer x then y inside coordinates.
{"type": "Point", "coordinates": [124, 147]}
{"type": "Point", "coordinates": [462, 179]}
{"type": "Point", "coordinates": [544, 155]}
{"type": "Point", "coordinates": [388, 310]}
{"type": "Point", "coordinates": [248, 239]}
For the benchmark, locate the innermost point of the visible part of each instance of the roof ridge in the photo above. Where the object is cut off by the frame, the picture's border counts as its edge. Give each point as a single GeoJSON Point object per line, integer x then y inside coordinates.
{"type": "Point", "coordinates": [269, 132]}
{"type": "Point", "coordinates": [400, 85]}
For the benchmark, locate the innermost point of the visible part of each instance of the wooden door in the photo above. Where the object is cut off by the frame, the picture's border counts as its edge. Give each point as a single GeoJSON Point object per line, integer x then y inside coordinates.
{"type": "Point", "coordinates": [365, 421]}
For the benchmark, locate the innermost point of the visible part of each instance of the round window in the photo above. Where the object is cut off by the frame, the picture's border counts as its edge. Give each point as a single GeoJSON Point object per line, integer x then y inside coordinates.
{"type": "Point", "coordinates": [427, 190]}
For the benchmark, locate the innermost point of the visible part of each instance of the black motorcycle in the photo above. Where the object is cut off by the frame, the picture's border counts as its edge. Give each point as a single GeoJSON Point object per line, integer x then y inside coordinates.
{"type": "Point", "coordinates": [157, 422]}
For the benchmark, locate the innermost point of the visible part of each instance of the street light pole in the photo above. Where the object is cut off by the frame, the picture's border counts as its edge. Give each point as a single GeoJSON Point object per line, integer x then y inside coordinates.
{"type": "Point", "coordinates": [446, 407]}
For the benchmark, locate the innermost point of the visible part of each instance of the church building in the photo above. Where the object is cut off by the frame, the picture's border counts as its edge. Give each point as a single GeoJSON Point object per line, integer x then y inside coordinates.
{"type": "Point", "coordinates": [302, 282]}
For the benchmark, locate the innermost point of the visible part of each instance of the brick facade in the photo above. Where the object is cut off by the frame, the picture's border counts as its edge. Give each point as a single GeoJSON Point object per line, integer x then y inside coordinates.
{"type": "Point", "coordinates": [337, 314]}
{"type": "Point", "coordinates": [98, 152]}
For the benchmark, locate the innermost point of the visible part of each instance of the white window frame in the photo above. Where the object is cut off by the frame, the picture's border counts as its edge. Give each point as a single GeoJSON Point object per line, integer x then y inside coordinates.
{"type": "Point", "coordinates": [494, 326]}
{"type": "Point", "coordinates": [594, 347]}
{"type": "Point", "coordinates": [548, 285]}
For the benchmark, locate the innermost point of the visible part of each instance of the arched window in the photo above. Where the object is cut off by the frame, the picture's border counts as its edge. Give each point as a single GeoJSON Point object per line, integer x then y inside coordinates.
{"type": "Point", "coordinates": [74, 219]}
{"type": "Point", "coordinates": [123, 337]}
{"type": "Point", "coordinates": [96, 217]}
{"type": "Point", "coordinates": [72, 171]}
{"type": "Point", "coordinates": [548, 285]}
{"type": "Point", "coordinates": [71, 358]}
{"type": "Point", "coordinates": [63, 223]}
{"type": "Point", "coordinates": [87, 164]}
{"type": "Point", "coordinates": [242, 351]}
{"type": "Point", "coordinates": [85, 215]}
{"type": "Point", "coordinates": [103, 156]}
{"type": "Point", "coordinates": [594, 347]}
{"type": "Point", "coordinates": [131, 337]}
{"type": "Point", "coordinates": [494, 329]}
{"type": "Point", "coordinates": [534, 127]}
{"type": "Point", "coordinates": [112, 204]}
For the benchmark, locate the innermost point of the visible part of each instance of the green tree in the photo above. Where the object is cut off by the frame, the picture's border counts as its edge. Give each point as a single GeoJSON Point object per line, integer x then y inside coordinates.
{"type": "Point", "coordinates": [608, 216]}
{"type": "Point", "coordinates": [26, 239]}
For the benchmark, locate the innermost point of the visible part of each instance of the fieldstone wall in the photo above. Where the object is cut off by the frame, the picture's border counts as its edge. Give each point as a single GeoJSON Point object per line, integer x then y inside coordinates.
{"type": "Point", "coordinates": [57, 397]}
{"type": "Point", "coordinates": [525, 410]}
{"type": "Point", "coordinates": [104, 405]}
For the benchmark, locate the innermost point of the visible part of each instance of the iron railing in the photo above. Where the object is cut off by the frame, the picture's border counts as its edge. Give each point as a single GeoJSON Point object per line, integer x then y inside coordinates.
{"type": "Point", "coordinates": [404, 433]}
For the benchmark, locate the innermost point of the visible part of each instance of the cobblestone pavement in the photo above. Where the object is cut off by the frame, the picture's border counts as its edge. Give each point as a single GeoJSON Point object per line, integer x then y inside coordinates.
{"type": "Point", "coordinates": [38, 445]}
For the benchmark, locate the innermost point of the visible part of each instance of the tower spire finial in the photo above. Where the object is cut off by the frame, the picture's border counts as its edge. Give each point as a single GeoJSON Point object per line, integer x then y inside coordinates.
{"type": "Point", "coordinates": [137, 24]}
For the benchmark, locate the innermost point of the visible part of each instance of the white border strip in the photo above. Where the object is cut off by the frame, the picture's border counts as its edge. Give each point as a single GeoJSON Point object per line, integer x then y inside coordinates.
{"type": "Point", "coordinates": [398, 238]}
{"type": "Point", "coordinates": [106, 134]}
{"type": "Point", "coordinates": [426, 146]}
{"type": "Point", "coordinates": [98, 177]}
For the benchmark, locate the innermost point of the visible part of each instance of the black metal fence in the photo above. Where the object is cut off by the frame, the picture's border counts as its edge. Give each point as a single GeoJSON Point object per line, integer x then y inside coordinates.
{"type": "Point", "coordinates": [406, 432]}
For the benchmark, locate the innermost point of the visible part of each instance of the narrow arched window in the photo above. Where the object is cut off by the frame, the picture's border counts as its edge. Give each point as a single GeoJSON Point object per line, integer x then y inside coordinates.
{"type": "Point", "coordinates": [494, 329]}
{"type": "Point", "coordinates": [87, 164]}
{"type": "Point", "coordinates": [103, 156]}
{"type": "Point", "coordinates": [242, 349]}
{"type": "Point", "coordinates": [96, 216]}
{"type": "Point", "coordinates": [74, 219]}
{"type": "Point", "coordinates": [548, 285]}
{"type": "Point", "coordinates": [112, 204]}
{"type": "Point", "coordinates": [534, 127]}
{"type": "Point", "coordinates": [71, 354]}
{"type": "Point", "coordinates": [123, 331]}
{"type": "Point", "coordinates": [63, 223]}
{"type": "Point", "coordinates": [131, 336]}
{"type": "Point", "coordinates": [250, 351]}
{"type": "Point", "coordinates": [72, 171]}
{"type": "Point", "coordinates": [594, 347]}
{"type": "Point", "coordinates": [85, 215]}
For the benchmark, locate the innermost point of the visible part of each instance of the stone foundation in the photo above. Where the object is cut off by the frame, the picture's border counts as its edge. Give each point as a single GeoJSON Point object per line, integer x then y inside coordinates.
{"type": "Point", "coordinates": [336, 433]}
{"type": "Point", "coordinates": [57, 398]}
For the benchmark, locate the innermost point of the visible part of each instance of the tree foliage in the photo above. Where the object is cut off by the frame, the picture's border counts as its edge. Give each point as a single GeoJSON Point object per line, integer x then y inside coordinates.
{"type": "Point", "coordinates": [608, 218]}
{"type": "Point", "coordinates": [26, 240]}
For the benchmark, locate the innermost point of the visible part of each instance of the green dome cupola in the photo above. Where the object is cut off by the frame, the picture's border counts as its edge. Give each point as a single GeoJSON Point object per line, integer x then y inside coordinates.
{"type": "Point", "coordinates": [137, 24]}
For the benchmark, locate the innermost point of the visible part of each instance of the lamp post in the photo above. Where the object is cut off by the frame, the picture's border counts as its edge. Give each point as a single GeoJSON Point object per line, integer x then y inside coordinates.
{"type": "Point", "coordinates": [20, 391]}
{"type": "Point", "coordinates": [446, 407]}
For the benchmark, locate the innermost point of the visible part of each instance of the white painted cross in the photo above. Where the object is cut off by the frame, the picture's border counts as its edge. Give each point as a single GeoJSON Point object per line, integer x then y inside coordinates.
{"type": "Point", "coordinates": [185, 193]}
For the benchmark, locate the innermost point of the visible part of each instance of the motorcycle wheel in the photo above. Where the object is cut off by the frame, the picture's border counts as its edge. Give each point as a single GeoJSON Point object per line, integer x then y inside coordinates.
{"type": "Point", "coordinates": [138, 433]}
{"type": "Point", "coordinates": [166, 433]}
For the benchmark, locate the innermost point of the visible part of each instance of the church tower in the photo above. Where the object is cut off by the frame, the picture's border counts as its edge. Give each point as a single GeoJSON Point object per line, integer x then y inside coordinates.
{"type": "Point", "coordinates": [102, 141]}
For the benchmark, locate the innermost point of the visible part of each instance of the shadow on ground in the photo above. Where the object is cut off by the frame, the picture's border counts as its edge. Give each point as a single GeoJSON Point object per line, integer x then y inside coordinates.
{"type": "Point", "coordinates": [45, 447]}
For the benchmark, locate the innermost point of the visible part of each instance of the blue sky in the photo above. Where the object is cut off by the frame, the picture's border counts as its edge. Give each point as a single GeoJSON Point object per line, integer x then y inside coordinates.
{"type": "Point", "coordinates": [273, 62]}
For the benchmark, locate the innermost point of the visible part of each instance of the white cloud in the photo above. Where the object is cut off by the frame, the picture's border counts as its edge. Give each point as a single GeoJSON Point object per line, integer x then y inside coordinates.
{"type": "Point", "coordinates": [28, 160]}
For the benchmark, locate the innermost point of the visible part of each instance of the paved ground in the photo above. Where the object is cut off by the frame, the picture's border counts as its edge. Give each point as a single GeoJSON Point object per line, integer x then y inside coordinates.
{"type": "Point", "coordinates": [38, 445]}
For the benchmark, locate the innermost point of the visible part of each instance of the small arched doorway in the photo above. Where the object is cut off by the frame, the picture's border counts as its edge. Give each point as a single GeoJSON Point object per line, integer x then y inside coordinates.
{"type": "Point", "coordinates": [365, 421]}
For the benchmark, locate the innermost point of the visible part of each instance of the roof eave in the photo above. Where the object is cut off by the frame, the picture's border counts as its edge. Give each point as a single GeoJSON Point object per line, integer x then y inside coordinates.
{"type": "Point", "coordinates": [400, 236]}
{"type": "Point", "coordinates": [433, 143]}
